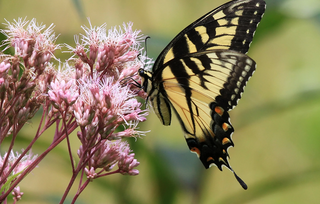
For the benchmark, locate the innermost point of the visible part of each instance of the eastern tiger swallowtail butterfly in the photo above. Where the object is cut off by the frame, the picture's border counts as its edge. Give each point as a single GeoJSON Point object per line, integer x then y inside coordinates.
{"type": "Point", "coordinates": [201, 75]}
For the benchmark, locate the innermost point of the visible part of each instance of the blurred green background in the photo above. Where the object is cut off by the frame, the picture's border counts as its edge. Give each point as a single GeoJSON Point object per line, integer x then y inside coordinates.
{"type": "Point", "coordinates": [277, 122]}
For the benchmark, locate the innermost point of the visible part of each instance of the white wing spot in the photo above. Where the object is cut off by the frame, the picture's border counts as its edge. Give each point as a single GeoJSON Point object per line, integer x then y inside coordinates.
{"type": "Point", "coordinates": [244, 74]}
{"type": "Point", "coordinates": [247, 68]}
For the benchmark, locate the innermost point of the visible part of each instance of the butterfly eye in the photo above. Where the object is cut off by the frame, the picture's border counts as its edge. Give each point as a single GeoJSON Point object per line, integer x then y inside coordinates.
{"type": "Point", "coordinates": [141, 72]}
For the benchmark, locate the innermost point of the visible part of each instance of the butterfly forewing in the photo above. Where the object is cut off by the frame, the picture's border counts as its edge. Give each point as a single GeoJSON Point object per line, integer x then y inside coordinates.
{"type": "Point", "coordinates": [230, 26]}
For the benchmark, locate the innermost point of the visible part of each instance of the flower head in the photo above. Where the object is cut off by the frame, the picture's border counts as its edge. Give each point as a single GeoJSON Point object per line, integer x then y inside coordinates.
{"type": "Point", "coordinates": [63, 89]}
{"type": "Point", "coordinates": [108, 154]}
{"type": "Point", "coordinates": [24, 162]}
{"type": "Point", "coordinates": [105, 58]}
{"type": "Point", "coordinates": [127, 162]}
{"type": "Point", "coordinates": [24, 77]}
{"type": "Point", "coordinates": [17, 194]}
{"type": "Point", "coordinates": [31, 43]}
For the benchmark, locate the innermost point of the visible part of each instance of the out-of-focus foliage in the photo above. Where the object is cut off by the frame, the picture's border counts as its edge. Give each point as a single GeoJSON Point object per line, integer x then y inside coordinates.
{"type": "Point", "coordinates": [277, 131]}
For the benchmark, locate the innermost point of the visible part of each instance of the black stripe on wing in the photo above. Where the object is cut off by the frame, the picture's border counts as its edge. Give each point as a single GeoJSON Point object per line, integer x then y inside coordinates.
{"type": "Point", "coordinates": [222, 75]}
{"type": "Point", "coordinates": [230, 26]}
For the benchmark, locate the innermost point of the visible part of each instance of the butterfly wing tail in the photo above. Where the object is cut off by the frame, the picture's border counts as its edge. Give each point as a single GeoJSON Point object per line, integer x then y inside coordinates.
{"type": "Point", "coordinates": [214, 150]}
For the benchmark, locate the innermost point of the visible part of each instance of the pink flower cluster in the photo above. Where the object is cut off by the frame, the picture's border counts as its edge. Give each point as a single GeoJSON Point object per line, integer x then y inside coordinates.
{"type": "Point", "coordinates": [100, 101]}
{"type": "Point", "coordinates": [16, 169]}
{"type": "Point", "coordinates": [12, 166]}
{"type": "Point", "coordinates": [107, 155]}
{"type": "Point", "coordinates": [19, 94]}
{"type": "Point", "coordinates": [92, 91]}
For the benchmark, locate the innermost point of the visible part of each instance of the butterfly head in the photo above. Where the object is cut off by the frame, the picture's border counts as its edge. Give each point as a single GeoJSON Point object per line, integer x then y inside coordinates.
{"type": "Point", "coordinates": [146, 79]}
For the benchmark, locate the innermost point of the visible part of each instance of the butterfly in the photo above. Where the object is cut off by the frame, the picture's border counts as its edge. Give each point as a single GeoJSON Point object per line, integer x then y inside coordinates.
{"type": "Point", "coordinates": [201, 74]}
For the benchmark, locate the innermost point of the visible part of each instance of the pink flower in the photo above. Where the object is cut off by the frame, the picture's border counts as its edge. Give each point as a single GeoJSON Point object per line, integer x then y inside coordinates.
{"type": "Point", "coordinates": [106, 62]}
{"type": "Point", "coordinates": [63, 90]}
{"type": "Point", "coordinates": [91, 174]}
{"type": "Point", "coordinates": [23, 163]}
{"type": "Point", "coordinates": [108, 154]}
{"type": "Point", "coordinates": [127, 163]}
{"type": "Point", "coordinates": [4, 66]}
{"type": "Point", "coordinates": [131, 131]}
{"type": "Point", "coordinates": [17, 194]}
{"type": "Point", "coordinates": [30, 43]}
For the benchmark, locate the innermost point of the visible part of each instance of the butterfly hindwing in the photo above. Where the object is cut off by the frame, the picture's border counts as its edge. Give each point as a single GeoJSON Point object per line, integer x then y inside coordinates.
{"type": "Point", "coordinates": [199, 104]}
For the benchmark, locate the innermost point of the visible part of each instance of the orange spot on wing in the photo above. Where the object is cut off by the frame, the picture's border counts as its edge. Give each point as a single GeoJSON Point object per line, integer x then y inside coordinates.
{"type": "Point", "coordinates": [219, 110]}
{"type": "Point", "coordinates": [210, 159]}
{"type": "Point", "coordinates": [195, 150]}
{"type": "Point", "coordinates": [225, 127]}
{"type": "Point", "coordinates": [222, 160]}
{"type": "Point", "coordinates": [225, 141]}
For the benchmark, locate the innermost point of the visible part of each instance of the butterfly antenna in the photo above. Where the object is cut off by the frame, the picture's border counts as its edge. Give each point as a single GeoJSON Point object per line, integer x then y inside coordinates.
{"type": "Point", "coordinates": [145, 44]}
{"type": "Point", "coordinates": [146, 47]}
